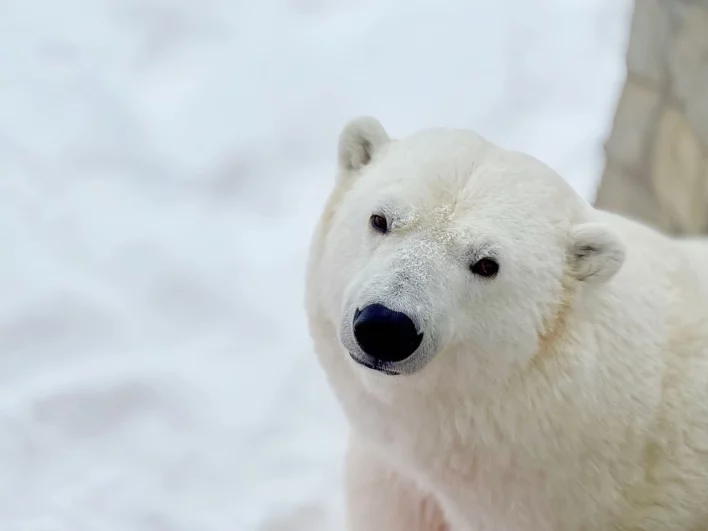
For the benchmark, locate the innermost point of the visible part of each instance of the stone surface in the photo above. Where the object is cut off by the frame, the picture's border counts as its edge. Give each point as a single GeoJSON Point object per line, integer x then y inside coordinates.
{"type": "Point", "coordinates": [703, 191]}
{"type": "Point", "coordinates": [677, 172]}
{"type": "Point", "coordinates": [649, 40]}
{"type": "Point", "coordinates": [625, 194]}
{"type": "Point", "coordinates": [688, 67]}
{"type": "Point", "coordinates": [657, 153]}
{"type": "Point", "coordinates": [695, 2]}
{"type": "Point", "coordinates": [635, 117]}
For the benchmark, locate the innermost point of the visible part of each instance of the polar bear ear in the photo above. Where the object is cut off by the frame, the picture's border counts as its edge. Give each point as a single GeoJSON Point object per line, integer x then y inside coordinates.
{"type": "Point", "coordinates": [596, 253]}
{"type": "Point", "coordinates": [360, 139]}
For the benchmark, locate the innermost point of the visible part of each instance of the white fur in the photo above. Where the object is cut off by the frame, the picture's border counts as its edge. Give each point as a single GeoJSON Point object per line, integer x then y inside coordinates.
{"type": "Point", "coordinates": [359, 142]}
{"type": "Point", "coordinates": [568, 393]}
{"type": "Point", "coordinates": [596, 253]}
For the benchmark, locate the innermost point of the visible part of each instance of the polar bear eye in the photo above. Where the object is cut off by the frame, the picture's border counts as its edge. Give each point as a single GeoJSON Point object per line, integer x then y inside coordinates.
{"type": "Point", "coordinates": [379, 223]}
{"type": "Point", "coordinates": [485, 267]}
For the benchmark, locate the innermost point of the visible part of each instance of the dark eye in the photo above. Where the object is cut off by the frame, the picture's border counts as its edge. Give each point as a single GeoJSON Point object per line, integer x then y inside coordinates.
{"type": "Point", "coordinates": [379, 223]}
{"type": "Point", "coordinates": [485, 267]}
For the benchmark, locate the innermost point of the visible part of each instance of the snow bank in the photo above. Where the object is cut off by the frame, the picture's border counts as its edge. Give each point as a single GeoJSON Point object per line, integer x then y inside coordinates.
{"type": "Point", "coordinates": [162, 163]}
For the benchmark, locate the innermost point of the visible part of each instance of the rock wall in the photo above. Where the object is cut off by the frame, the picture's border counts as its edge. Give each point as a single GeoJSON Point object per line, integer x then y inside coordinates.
{"type": "Point", "coordinates": [657, 153]}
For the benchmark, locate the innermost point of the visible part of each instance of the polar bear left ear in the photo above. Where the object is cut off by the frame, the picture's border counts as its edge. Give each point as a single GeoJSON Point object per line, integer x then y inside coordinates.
{"type": "Point", "coordinates": [360, 139]}
{"type": "Point", "coordinates": [596, 253]}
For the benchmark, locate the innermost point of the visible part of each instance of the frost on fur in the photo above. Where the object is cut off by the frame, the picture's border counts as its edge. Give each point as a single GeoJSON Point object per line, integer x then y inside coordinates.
{"type": "Point", "coordinates": [596, 253]}
{"type": "Point", "coordinates": [360, 139]}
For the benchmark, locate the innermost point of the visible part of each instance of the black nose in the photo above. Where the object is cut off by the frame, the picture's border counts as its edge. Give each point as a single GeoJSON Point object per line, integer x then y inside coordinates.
{"type": "Point", "coordinates": [384, 334]}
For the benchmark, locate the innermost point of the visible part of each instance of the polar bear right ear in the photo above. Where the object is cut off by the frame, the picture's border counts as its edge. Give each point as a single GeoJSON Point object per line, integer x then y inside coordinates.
{"type": "Point", "coordinates": [596, 253]}
{"type": "Point", "coordinates": [359, 141]}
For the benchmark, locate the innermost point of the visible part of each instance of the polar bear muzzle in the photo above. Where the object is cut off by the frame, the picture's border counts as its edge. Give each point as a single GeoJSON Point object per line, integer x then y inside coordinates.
{"type": "Point", "coordinates": [385, 335]}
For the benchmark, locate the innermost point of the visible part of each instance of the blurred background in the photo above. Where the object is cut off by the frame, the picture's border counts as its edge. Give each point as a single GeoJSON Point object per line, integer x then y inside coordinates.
{"type": "Point", "coordinates": [162, 164]}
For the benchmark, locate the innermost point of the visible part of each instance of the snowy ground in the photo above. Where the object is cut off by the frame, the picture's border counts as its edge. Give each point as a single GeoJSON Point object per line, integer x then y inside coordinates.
{"type": "Point", "coordinates": [161, 165]}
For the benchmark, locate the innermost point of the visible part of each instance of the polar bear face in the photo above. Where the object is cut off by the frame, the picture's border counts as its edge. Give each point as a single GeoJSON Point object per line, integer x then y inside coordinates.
{"type": "Point", "coordinates": [443, 246]}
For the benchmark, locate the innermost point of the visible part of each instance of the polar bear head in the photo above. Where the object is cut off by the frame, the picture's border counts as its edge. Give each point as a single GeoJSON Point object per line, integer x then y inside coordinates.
{"type": "Point", "coordinates": [444, 246]}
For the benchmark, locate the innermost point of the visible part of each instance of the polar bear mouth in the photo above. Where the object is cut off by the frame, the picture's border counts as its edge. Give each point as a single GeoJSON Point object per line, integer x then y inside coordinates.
{"type": "Point", "coordinates": [378, 366]}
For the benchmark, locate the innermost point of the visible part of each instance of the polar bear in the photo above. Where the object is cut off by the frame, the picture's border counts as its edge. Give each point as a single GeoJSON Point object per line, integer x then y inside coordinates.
{"type": "Point", "coordinates": [508, 357]}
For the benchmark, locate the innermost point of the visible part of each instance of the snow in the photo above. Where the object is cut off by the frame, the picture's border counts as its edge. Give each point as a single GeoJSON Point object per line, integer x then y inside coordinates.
{"type": "Point", "coordinates": [162, 163]}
